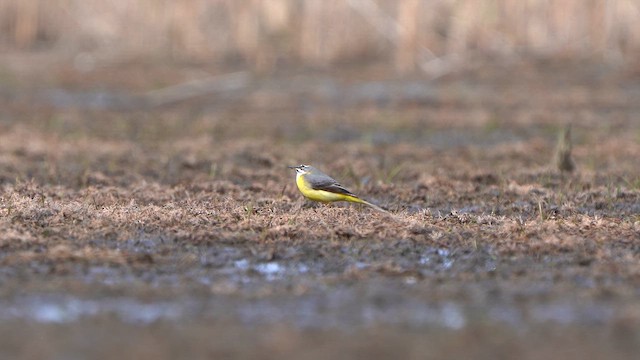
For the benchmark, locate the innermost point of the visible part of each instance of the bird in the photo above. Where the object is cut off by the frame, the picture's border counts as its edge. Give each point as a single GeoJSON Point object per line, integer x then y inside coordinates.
{"type": "Point", "coordinates": [318, 186]}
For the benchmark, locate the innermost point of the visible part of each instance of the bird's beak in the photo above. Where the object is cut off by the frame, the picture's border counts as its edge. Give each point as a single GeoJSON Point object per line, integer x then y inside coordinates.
{"type": "Point", "coordinates": [292, 167]}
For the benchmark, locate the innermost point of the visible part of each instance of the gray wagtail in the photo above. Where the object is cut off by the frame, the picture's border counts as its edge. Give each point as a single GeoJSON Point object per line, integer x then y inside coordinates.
{"type": "Point", "coordinates": [318, 186]}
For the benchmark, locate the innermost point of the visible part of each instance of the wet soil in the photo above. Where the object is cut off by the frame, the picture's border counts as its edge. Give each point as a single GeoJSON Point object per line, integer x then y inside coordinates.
{"type": "Point", "coordinates": [131, 227]}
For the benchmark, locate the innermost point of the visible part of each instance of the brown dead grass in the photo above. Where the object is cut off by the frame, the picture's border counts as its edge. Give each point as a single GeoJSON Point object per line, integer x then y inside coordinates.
{"type": "Point", "coordinates": [71, 176]}
{"type": "Point", "coordinates": [414, 34]}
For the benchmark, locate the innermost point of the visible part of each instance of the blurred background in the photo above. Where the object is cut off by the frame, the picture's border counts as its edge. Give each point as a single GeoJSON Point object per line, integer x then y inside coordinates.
{"type": "Point", "coordinates": [432, 37]}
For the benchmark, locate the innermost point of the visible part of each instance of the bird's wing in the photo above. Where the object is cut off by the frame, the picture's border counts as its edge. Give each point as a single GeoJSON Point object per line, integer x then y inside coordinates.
{"type": "Point", "coordinates": [327, 183]}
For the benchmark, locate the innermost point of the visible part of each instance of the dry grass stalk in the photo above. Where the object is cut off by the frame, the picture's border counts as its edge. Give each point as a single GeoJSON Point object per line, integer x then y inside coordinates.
{"type": "Point", "coordinates": [562, 159]}
{"type": "Point", "coordinates": [262, 33]}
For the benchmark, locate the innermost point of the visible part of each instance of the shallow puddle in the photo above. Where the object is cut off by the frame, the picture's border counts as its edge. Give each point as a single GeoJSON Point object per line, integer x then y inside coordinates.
{"type": "Point", "coordinates": [344, 309]}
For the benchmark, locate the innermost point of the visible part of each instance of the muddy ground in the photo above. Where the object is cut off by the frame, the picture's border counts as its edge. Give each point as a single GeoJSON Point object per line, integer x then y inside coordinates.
{"type": "Point", "coordinates": [153, 224]}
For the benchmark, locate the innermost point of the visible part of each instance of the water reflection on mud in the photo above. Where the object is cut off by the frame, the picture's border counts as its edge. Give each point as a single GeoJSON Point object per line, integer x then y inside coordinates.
{"type": "Point", "coordinates": [341, 309]}
{"type": "Point", "coordinates": [235, 292]}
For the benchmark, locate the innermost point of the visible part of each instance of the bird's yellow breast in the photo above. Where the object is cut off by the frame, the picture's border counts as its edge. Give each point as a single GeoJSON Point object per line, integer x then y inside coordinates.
{"type": "Point", "coordinates": [318, 195]}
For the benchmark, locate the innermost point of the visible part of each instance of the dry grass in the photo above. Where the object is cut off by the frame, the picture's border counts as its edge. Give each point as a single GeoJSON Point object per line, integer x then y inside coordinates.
{"type": "Point", "coordinates": [411, 34]}
{"type": "Point", "coordinates": [69, 177]}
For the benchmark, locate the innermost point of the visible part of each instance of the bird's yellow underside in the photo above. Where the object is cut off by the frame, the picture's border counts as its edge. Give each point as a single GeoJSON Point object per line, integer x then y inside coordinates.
{"type": "Point", "coordinates": [323, 195]}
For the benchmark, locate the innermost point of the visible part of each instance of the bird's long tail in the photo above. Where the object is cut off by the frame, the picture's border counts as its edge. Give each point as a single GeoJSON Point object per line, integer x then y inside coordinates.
{"type": "Point", "coordinates": [357, 200]}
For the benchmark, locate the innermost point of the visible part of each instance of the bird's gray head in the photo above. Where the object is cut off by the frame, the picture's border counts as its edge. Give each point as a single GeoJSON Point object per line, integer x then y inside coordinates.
{"type": "Point", "coordinates": [301, 169]}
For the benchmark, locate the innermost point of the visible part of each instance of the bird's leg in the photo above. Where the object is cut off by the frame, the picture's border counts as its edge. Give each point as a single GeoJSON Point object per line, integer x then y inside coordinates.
{"type": "Point", "coordinates": [299, 205]}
